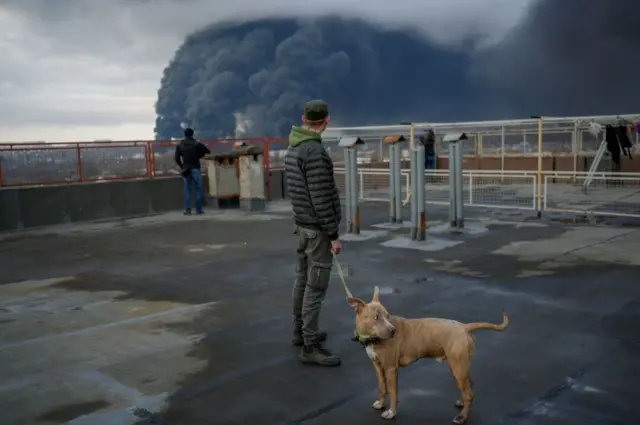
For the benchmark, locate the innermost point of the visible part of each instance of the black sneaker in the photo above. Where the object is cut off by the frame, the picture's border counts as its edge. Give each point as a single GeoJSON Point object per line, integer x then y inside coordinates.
{"type": "Point", "coordinates": [298, 341]}
{"type": "Point", "coordinates": [187, 212]}
{"type": "Point", "coordinates": [318, 355]}
{"type": "Point", "coordinates": [199, 212]}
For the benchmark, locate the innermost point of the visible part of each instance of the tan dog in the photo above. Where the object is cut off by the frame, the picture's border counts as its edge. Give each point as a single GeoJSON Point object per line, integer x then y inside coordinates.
{"type": "Point", "coordinates": [393, 342]}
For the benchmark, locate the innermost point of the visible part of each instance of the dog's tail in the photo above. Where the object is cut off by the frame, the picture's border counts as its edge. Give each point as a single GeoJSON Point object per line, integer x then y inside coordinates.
{"type": "Point", "coordinates": [472, 327]}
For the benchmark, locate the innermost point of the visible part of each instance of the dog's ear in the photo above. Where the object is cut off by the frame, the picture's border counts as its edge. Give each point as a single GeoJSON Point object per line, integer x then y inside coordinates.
{"type": "Point", "coordinates": [376, 295]}
{"type": "Point", "coordinates": [356, 303]}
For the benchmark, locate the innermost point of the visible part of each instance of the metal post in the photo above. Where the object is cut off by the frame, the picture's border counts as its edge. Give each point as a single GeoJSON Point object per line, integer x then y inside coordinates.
{"type": "Point", "coordinates": [412, 133]}
{"type": "Point", "coordinates": [420, 189]}
{"type": "Point", "coordinates": [79, 159]}
{"type": "Point", "coordinates": [452, 185]}
{"type": "Point", "coordinates": [459, 187]}
{"type": "Point", "coordinates": [414, 200]}
{"type": "Point", "coordinates": [574, 148]}
{"type": "Point", "coordinates": [393, 196]}
{"type": "Point", "coordinates": [347, 188]}
{"type": "Point", "coordinates": [539, 180]}
{"type": "Point", "coordinates": [398, 183]}
{"type": "Point", "coordinates": [502, 151]}
{"type": "Point", "coordinates": [355, 207]}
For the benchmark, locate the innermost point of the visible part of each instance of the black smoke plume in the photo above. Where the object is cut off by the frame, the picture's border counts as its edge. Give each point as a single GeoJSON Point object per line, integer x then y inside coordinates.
{"type": "Point", "coordinates": [569, 57]}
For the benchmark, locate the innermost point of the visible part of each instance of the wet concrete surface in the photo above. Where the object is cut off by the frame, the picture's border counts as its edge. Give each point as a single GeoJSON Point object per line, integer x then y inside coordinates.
{"type": "Point", "coordinates": [173, 320]}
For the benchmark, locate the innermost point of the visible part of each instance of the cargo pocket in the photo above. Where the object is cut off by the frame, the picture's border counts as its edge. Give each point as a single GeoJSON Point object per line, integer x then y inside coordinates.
{"type": "Point", "coordinates": [319, 276]}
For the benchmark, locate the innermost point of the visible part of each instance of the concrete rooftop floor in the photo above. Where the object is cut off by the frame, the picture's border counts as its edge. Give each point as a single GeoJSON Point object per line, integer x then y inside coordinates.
{"type": "Point", "coordinates": [173, 320]}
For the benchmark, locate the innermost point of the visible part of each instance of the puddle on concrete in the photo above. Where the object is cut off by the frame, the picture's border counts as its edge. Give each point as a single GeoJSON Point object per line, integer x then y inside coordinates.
{"type": "Point", "coordinates": [578, 219]}
{"type": "Point", "coordinates": [204, 248]}
{"type": "Point", "coordinates": [364, 235]}
{"type": "Point", "coordinates": [578, 244]}
{"type": "Point", "coordinates": [454, 266]}
{"type": "Point", "coordinates": [534, 273]}
{"type": "Point", "coordinates": [432, 244]}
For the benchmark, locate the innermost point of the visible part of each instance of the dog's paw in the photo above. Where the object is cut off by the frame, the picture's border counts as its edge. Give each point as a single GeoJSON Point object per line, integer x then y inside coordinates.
{"type": "Point", "coordinates": [460, 419]}
{"type": "Point", "coordinates": [459, 404]}
{"type": "Point", "coordinates": [378, 405]}
{"type": "Point", "coordinates": [388, 414]}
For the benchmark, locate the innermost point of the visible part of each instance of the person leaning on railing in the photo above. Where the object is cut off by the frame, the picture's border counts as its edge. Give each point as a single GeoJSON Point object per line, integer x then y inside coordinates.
{"type": "Point", "coordinates": [188, 155]}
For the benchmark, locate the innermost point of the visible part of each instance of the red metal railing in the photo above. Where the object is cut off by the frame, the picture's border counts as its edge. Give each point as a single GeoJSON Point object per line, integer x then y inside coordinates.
{"type": "Point", "coordinates": [80, 162]}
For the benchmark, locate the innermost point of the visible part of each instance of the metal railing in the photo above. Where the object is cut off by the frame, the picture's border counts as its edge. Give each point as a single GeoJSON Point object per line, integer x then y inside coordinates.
{"type": "Point", "coordinates": [610, 194]}
{"type": "Point", "coordinates": [558, 143]}
{"type": "Point", "coordinates": [32, 164]}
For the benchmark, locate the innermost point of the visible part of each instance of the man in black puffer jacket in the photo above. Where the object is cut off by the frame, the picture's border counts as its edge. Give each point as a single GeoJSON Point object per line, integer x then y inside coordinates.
{"type": "Point", "coordinates": [317, 215]}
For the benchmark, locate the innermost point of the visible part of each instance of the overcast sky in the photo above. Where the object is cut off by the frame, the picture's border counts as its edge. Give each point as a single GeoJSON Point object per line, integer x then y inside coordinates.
{"type": "Point", "coordinates": [90, 69]}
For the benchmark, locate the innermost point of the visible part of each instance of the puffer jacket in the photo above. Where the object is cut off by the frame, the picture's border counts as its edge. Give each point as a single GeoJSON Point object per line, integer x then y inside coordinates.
{"type": "Point", "coordinates": [310, 183]}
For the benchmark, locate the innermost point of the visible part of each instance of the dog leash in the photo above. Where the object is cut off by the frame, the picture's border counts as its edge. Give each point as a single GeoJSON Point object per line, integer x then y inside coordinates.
{"type": "Point", "coordinates": [355, 337]}
{"type": "Point", "coordinates": [344, 282]}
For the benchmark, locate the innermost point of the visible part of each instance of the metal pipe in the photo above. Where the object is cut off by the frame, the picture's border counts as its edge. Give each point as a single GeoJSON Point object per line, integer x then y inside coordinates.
{"type": "Point", "coordinates": [539, 181]}
{"type": "Point", "coordinates": [393, 127]}
{"type": "Point", "coordinates": [459, 187]}
{"type": "Point", "coordinates": [420, 183]}
{"type": "Point", "coordinates": [79, 159]}
{"type": "Point", "coordinates": [414, 202]}
{"type": "Point", "coordinates": [398, 183]}
{"type": "Point", "coordinates": [497, 123]}
{"type": "Point", "coordinates": [574, 146]}
{"type": "Point", "coordinates": [452, 185]}
{"type": "Point", "coordinates": [347, 189]}
{"type": "Point", "coordinates": [393, 196]}
{"type": "Point", "coordinates": [502, 136]}
{"type": "Point", "coordinates": [412, 134]}
{"type": "Point", "coordinates": [530, 121]}
{"type": "Point", "coordinates": [355, 209]}
{"type": "Point", "coordinates": [591, 118]}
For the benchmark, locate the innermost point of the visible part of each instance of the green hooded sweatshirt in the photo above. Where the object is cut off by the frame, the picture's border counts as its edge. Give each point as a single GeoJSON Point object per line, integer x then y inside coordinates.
{"type": "Point", "coordinates": [301, 134]}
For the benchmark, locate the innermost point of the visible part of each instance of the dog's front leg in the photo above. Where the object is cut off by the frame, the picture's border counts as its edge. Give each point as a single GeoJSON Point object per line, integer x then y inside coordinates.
{"type": "Point", "coordinates": [392, 387]}
{"type": "Point", "coordinates": [382, 387]}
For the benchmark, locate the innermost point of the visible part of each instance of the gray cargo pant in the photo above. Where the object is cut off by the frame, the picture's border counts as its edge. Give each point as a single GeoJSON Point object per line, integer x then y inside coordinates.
{"type": "Point", "coordinates": [313, 270]}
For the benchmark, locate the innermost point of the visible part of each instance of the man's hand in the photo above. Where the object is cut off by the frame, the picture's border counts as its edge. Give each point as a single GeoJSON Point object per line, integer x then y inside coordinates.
{"type": "Point", "coordinates": [336, 247]}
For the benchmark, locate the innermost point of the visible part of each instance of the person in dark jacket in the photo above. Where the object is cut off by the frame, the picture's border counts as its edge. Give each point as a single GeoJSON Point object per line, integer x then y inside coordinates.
{"type": "Point", "coordinates": [188, 155]}
{"type": "Point", "coordinates": [428, 140]}
{"type": "Point", "coordinates": [317, 215]}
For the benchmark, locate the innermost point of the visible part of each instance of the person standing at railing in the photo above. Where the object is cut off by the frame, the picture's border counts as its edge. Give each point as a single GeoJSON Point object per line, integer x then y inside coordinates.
{"type": "Point", "coordinates": [317, 215]}
{"type": "Point", "coordinates": [428, 140]}
{"type": "Point", "coordinates": [188, 155]}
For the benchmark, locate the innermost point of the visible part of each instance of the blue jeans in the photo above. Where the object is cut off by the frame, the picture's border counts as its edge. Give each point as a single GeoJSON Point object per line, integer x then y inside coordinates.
{"type": "Point", "coordinates": [430, 162]}
{"type": "Point", "coordinates": [193, 180]}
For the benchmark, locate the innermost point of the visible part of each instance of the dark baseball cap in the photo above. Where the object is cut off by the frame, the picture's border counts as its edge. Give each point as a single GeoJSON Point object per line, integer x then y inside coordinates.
{"type": "Point", "coordinates": [316, 110]}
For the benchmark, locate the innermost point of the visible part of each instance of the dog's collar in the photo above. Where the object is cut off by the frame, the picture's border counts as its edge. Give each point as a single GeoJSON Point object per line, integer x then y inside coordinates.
{"type": "Point", "coordinates": [365, 341]}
